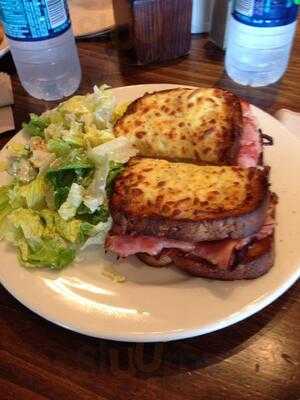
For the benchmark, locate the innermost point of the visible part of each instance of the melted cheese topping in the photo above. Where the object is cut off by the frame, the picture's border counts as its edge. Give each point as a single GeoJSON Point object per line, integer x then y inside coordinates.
{"type": "Point", "coordinates": [185, 191]}
{"type": "Point", "coordinates": [184, 124]}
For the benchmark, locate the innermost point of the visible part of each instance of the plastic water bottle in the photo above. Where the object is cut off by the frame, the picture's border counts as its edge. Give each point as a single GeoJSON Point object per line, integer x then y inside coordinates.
{"type": "Point", "coordinates": [43, 46]}
{"type": "Point", "coordinates": [260, 39]}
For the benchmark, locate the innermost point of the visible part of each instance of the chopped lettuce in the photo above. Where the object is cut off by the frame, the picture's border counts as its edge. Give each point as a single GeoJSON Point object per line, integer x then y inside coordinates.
{"type": "Point", "coordinates": [68, 209]}
{"type": "Point", "coordinates": [73, 231]}
{"type": "Point", "coordinates": [34, 193]}
{"type": "Point", "coordinates": [36, 125]}
{"type": "Point", "coordinates": [98, 234]}
{"type": "Point", "coordinates": [119, 111]}
{"type": "Point", "coordinates": [22, 169]}
{"type": "Point", "coordinates": [109, 159]}
{"type": "Point", "coordinates": [119, 150]}
{"type": "Point", "coordinates": [4, 199]}
{"type": "Point", "coordinates": [74, 135]}
{"type": "Point", "coordinates": [49, 253]}
{"type": "Point", "coordinates": [115, 168]}
{"type": "Point", "coordinates": [111, 273]}
{"type": "Point", "coordinates": [95, 194]}
{"type": "Point", "coordinates": [70, 230]}
{"type": "Point", "coordinates": [76, 160]}
{"type": "Point", "coordinates": [65, 171]}
{"type": "Point", "coordinates": [20, 224]}
{"type": "Point", "coordinates": [59, 147]}
{"type": "Point", "coordinates": [43, 238]}
{"type": "Point", "coordinates": [94, 137]}
{"type": "Point", "coordinates": [5, 206]}
{"type": "Point", "coordinates": [100, 215]}
{"type": "Point", "coordinates": [18, 150]}
{"type": "Point", "coordinates": [57, 202]}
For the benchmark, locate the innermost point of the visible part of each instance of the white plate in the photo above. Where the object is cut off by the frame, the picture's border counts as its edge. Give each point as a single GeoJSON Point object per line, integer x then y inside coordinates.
{"type": "Point", "coordinates": [91, 16]}
{"type": "Point", "coordinates": [165, 304]}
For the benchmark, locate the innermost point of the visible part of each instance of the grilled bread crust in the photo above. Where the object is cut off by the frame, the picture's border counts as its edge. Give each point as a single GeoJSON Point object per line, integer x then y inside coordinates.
{"type": "Point", "coordinates": [189, 202]}
{"type": "Point", "coordinates": [252, 263]}
{"type": "Point", "coordinates": [198, 125]}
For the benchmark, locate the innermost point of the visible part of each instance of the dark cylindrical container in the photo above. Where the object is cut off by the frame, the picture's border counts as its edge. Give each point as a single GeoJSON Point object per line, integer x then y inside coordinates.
{"type": "Point", "coordinates": [154, 30]}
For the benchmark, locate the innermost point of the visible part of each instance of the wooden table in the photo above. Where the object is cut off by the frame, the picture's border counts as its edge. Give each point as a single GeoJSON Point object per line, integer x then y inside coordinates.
{"type": "Point", "coordinates": [256, 359]}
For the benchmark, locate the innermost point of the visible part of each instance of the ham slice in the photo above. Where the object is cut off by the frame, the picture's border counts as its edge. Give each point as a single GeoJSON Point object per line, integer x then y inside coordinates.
{"type": "Point", "coordinates": [219, 253]}
{"type": "Point", "coordinates": [268, 227]}
{"type": "Point", "coordinates": [126, 245]}
{"type": "Point", "coordinates": [250, 144]}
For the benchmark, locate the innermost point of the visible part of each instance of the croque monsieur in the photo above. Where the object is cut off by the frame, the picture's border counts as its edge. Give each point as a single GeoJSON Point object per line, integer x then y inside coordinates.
{"type": "Point", "coordinates": [211, 221]}
{"type": "Point", "coordinates": [203, 126]}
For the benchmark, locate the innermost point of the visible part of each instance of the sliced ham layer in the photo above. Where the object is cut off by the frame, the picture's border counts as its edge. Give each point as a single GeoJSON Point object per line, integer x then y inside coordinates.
{"type": "Point", "coordinates": [126, 245]}
{"type": "Point", "coordinates": [250, 144]}
{"type": "Point", "coordinates": [219, 253]}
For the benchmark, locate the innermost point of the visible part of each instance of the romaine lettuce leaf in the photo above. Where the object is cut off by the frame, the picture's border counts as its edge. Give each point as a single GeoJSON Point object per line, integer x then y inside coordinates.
{"type": "Point", "coordinates": [36, 125]}
{"type": "Point", "coordinates": [64, 172]}
{"type": "Point", "coordinates": [22, 223]}
{"type": "Point", "coordinates": [43, 238]}
{"type": "Point", "coordinates": [14, 195]}
{"type": "Point", "coordinates": [76, 160]}
{"type": "Point", "coordinates": [74, 135]}
{"type": "Point", "coordinates": [119, 111]}
{"type": "Point", "coordinates": [34, 193]}
{"type": "Point", "coordinates": [22, 169]}
{"type": "Point", "coordinates": [95, 194]}
{"type": "Point", "coordinates": [108, 159]}
{"type": "Point", "coordinates": [5, 206]}
{"type": "Point", "coordinates": [115, 169]}
{"type": "Point", "coordinates": [74, 231]}
{"type": "Point", "coordinates": [4, 199]}
{"type": "Point", "coordinates": [49, 253]}
{"type": "Point", "coordinates": [70, 230]}
{"type": "Point", "coordinates": [94, 137]}
{"type": "Point", "coordinates": [100, 215]}
{"type": "Point", "coordinates": [69, 208]}
{"type": "Point", "coordinates": [119, 150]}
{"type": "Point", "coordinates": [18, 150]}
{"type": "Point", "coordinates": [105, 103]}
{"type": "Point", "coordinates": [98, 234]}
{"type": "Point", "coordinates": [59, 147]}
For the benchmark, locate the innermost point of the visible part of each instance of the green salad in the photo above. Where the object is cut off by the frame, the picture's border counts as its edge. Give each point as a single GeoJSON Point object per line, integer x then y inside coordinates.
{"type": "Point", "coordinates": [57, 200]}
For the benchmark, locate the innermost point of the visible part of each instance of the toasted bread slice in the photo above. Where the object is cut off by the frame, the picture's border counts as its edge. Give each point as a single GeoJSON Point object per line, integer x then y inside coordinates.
{"type": "Point", "coordinates": [198, 125]}
{"type": "Point", "coordinates": [189, 202]}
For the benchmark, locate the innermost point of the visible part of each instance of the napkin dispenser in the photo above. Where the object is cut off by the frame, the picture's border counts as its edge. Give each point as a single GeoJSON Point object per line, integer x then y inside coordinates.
{"type": "Point", "coordinates": [153, 30]}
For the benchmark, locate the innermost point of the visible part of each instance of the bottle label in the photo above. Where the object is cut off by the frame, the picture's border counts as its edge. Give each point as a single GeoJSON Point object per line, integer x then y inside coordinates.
{"type": "Point", "coordinates": [30, 20]}
{"type": "Point", "coordinates": [265, 13]}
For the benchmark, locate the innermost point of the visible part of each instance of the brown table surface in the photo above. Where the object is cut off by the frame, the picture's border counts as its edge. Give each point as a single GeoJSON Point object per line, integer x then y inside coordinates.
{"type": "Point", "coordinates": [258, 358]}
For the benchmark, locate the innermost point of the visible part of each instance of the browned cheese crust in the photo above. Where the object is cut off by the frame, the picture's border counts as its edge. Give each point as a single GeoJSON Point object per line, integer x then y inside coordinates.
{"type": "Point", "coordinates": [189, 202]}
{"type": "Point", "coordinates": [200, 125]}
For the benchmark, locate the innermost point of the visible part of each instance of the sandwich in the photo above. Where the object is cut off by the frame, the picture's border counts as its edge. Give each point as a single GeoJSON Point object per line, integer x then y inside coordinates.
{"type": "Point", "coordinates": [210, 221]}
{"type": "Point", "coordinates": [203, 126]}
